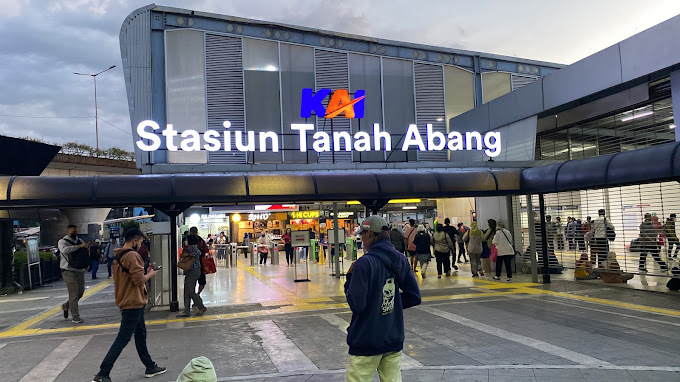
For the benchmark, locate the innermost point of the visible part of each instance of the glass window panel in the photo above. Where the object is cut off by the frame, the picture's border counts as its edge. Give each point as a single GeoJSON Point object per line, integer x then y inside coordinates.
{"type": "Point", "coordinates": [399, 104]}
{"type": "Point", "coordinates": [185, 83]}
{"type": "Point", "coordinates": [297, 73]}
{"type": "Point", "coordinates": [364, 73]}
{"type": "Point", "coordinates": [263, 105]}
{"type": "Point", "coordinates": [494, 85]}
{"type": "Point", "coordinates": [460, 92]}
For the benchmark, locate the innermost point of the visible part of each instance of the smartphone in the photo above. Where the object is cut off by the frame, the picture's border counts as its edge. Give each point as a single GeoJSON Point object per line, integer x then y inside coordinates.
{"type": "Point", "coordinates": [157, 268]}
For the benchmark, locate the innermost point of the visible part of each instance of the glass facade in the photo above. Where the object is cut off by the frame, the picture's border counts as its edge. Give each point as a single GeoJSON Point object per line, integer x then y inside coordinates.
{"type": "Point", "coordinates": [273, 75]}
{"type": "Point", "coordinates": [643, 126]}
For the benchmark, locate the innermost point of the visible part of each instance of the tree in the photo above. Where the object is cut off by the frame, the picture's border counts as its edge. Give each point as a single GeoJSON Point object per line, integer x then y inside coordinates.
{"type": "Point", "coordinates": [127, 225]}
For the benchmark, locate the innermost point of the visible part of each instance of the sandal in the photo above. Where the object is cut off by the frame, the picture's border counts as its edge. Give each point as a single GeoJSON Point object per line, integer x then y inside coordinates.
{"type": "Point", "coordinates": [183, 315]}
{"type": "Point", "coordinates": [201, 311]}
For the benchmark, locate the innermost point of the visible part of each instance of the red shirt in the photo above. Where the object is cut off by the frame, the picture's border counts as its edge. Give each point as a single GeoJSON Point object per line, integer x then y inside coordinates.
{"type": "Point", "coordinates": [286, 238]}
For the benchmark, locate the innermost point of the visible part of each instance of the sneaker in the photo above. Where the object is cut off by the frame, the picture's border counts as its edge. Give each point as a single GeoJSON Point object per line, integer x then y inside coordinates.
{"type": "Point", "coordinates": [439, 276]}
{"type": "Point", "coordinates": [481, 273]}
{"type": "Point", "coordinates": [154, 371]}
{"type": "Point", "coordinates": [455, 267]}
{"type": "Point", "coordinates": [66, 314]}
{"type": "Point", "coordinates": [101, 378]}
{"type": "Point", "coordinates": [460, 262]}
{"type": "Point", "coordinates": [424, 276]}
{"type": "Point", "coordinates": [474, 275]}
{"type": "Point", "coordinates": [510, 280]}
{"type": "Point", "coordinates": [77, 320]}
{"type": "Point", "coordinates": [496, 278]}
{"type": "Point", "coordinates": [642, 270]}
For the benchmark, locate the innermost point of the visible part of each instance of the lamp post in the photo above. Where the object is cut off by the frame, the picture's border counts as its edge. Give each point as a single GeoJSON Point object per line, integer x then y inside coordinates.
{"type": "Point", "coordinates": [96, 115]}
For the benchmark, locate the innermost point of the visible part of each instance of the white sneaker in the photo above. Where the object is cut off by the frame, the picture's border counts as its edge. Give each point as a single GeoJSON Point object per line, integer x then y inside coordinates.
{"type": "Point", "coordinates": [496, 278]}
{"type": "Point", "coordinates": [510, 280]}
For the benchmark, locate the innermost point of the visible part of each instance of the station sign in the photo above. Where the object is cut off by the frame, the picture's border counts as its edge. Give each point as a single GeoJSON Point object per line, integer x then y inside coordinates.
{"type": "Point", "coordinates": [340, 103]}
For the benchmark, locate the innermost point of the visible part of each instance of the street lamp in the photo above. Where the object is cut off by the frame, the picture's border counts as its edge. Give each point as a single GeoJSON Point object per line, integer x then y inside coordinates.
{"type": "Point", "coordinates": [96, 115]}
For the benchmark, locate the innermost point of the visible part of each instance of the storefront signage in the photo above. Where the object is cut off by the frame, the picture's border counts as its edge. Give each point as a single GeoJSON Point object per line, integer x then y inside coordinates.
{"type": "Point", "coordinates": [213, 218]}
{"type": "Point", "coordinates": [344, 214]}
{"type": "Point", "coordinates": [340, 103]}
{"type": "Point", "coordinates": [304, 214]}
{"type": "Point", "coordinates": [263, 216]}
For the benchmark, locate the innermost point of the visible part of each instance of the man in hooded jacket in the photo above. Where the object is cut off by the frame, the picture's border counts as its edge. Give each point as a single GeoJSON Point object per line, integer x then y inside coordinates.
{"type": "Point", "coordinates": [376, 333]}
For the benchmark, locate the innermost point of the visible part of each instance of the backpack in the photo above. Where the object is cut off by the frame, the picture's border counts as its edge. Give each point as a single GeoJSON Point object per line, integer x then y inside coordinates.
{"type": "Point", "coordinates": [120, 256]}
{"type": "Point", "coordinates": [611, 234]}
{"type": "Point", "coordinates": [674, 282]}
{"type": "Point", "coordinates": [78, 259]}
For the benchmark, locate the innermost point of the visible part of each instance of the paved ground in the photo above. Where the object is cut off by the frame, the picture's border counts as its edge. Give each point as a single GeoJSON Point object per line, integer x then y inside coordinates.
{"type": "Point", "coordinates": [261, 326]}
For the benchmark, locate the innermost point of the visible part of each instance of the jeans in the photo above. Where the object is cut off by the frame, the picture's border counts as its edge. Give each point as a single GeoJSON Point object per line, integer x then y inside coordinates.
{"type": "Point", "coordinates": [507, 259]}
{"type": "Point", "coordinates": [362, 368]}
{"type": "Point", "coordinates": [75, 283]}
{"type": "Point", "coordinates": [131, 323]}
{"type": "Point", "coordinates": [461, 251]}
{"type": "Point", "coordinates": [442, 260]}
{"type": "Point", "coordinates": [109, 263]}
{"type": "Point", "coordinates": [654, 251]}
{"type": "Point", "coordinates": [95, 268]}
{"type": "Point", "coordinates": [190, 279]}
{"type": "Point", "coordinates": [289, 253]}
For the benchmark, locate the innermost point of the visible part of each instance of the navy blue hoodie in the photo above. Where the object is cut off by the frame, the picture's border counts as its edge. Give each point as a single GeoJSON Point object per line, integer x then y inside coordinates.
{"type": "Point", "coordinates": [371, 288]}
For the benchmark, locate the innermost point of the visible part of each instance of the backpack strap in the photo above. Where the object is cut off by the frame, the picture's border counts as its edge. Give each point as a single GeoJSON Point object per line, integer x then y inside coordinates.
{"type": "Point", "coordinates": [66, 257]}
{"type": "Point", "coordinates": [120, 256]}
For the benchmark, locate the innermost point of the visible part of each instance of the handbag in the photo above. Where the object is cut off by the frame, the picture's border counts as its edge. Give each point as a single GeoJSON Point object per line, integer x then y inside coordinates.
{"type": "Point", "coordinates": [486, 252]}
{"type": "Point", "coordinates": [493, 253]}
{"type": "Point", "coordinates": [186, 261]}
{"type": "Point", "coordinates": [208, 264]}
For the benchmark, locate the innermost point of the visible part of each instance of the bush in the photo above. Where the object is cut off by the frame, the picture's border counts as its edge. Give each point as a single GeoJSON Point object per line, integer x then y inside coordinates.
{"type": "Point", "coordinates": [127, 225]}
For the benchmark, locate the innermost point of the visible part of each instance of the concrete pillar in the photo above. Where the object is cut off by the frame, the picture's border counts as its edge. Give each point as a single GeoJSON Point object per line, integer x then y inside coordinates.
{"type": "Point", "coordinates": [456, 209]}
{"type": "Point", "coordinates": [88, 220]}
{"type": "Point", "coordinates": [491, 207]}
{"type": "Point", "coordinates": [52, 230]}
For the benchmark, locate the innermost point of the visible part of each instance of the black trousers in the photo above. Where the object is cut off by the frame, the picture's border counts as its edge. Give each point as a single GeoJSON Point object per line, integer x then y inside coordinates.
{"type": "Point", "coordinates": [654, 251]}
{"type": "Point", "coordinates": [461, 251]}
{"type": "Point", "coordinates": [263, 257]}
{"type": "Point", "coordinates": [289, 254]}
{"type": "Point", "coordinates": [442, 260]}
{"type": "Point", "coordinates": [507, 260]}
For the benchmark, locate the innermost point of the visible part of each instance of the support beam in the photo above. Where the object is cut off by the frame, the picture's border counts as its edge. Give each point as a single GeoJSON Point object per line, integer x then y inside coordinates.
{"type": "Point", "coordinates": [544, 240]}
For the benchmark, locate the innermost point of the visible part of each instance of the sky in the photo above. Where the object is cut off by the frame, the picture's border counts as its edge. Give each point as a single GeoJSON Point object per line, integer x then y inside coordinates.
{"type": "Point", "coordinates": [43, 42]}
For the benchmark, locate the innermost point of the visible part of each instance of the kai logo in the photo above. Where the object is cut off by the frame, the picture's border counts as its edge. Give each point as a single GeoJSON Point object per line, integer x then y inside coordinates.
{"type": "Point", "coordinates": [339, 103]}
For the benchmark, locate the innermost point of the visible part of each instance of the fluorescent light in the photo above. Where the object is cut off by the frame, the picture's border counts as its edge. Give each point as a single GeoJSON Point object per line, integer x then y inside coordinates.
{"type": "Point", "coordinates": [410, 207]}
{"type": "Point", "coordinates": [636, 116]}
{"type": "Point", "coordinates": [397, 201]}
{"type": "Point", "coordinates": [440, 119]}
{"type": "Point", "coordinates": [354, 202]}
{"type": "Point", "coordinates": [672, 126]}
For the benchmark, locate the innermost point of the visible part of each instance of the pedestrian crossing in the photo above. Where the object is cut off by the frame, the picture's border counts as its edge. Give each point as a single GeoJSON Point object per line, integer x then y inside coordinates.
{"type": "Point", "coordinates": [309, 343]}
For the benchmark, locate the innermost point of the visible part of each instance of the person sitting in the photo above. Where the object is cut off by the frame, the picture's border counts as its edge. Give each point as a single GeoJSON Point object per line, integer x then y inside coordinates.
{"type": "Point", "coordinates": [612, 271]}
{"type": "Point", "coordinates": [584, 269]}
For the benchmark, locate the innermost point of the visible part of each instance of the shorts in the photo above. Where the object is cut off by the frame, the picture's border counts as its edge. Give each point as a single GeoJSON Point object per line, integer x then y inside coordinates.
{"type": "Point", "coordinates": [201, 279]}
{"type": "Point", "coordinates": [412, 253]}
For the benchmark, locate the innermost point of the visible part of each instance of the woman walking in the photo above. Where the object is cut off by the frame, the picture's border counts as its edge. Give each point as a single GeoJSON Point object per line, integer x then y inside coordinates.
{"type": "Point", "coordinates": [503, 242]}
{"type": "Point", "coordinates": [423, 242]}
{"type": "Point", "coordinates": [263, 248]}
{"type": "Point", "coordinates": [191, 278]}
{"type": "Point", "coordinates": [442, 247]}
{"type": "Point", "coordinates": [488, 239]}
{"type": "Point", "coordinates": [287, 247]}
{"type": "Point", "coordinates": [474, 238]}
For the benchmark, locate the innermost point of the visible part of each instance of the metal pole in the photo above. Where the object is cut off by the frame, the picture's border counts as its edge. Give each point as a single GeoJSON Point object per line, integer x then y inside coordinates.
{"type": "Point", "coordinates": [96, 114]}
{"type": "Point", "coordinates": [174, 304]}
{"type": "Point", "coordinates": [336, 233]}
{"type": "Point", "coordinates": [544, 241]}
{"type": "Point", "coordinates": [532, 239]}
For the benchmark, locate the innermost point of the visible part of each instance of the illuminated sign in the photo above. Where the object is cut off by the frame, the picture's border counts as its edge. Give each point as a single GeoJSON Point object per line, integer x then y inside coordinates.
{"type": "Point", "coordinates": [339, 103]}
{"type": "Point", "coordinates": [344, 214]}
{"type": "Point", "coordinates": [263, 216]}
{"type": "Point", "coordinates": [304, 214]}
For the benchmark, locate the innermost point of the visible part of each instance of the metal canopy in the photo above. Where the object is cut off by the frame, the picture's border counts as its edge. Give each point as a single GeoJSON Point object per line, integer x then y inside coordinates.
{"type": "Point", "coordinates": [207, 189]}
{"type": "Point", "coordinates": [651, 164]}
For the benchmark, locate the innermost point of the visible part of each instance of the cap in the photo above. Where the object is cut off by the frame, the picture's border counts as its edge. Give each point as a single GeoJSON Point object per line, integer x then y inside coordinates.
{"type": "Point", "coordinates": [374, 223]}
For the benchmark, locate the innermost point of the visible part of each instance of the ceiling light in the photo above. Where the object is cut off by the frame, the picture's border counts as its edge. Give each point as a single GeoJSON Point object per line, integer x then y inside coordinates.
{"type": "Point", "coordinates": [236, 218]}
{"type": "Point", "coordinates": [440, 119]}
{"type": "Point", "coordinates": [636, 116]}
{"type": "Point", "coordinates": [410, 207]}
{"type": "Point", "coordinates": [354, 202]}
{"type": "Point", "coordinates": [397, 201]}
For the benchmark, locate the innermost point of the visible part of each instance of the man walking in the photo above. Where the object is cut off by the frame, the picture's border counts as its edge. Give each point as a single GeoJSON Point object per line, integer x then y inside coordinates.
{"type": "Point", "coordinates": [410, 245]}
{"type": "Point", "coordinates": [376, 333]}
{"type": "Point", "coordinates": [600, 240]}
{"type": "Point", "coordinates": [453, 233]}
{"type": "Point", "coordinates": [70, 247]}
{"type": "Point", "coordinates": [95, 257]}
{"type": "Point", "coordinates": [131, 297]}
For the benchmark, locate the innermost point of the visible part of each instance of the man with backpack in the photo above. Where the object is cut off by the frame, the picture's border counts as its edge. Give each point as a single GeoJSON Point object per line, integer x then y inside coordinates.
{"type": "Point", "coordinates": [74, 260]}
{"type": "Point", "coordinates": [376, 333]}
{"type": "Point", "coordinates": [129, 282]}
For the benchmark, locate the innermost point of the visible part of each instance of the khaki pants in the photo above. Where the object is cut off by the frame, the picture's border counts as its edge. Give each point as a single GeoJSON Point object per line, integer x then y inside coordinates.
{"type": "Point", "coordinates": [75, 283]}
{"type": "Point", "coordinates": [362, 368]}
